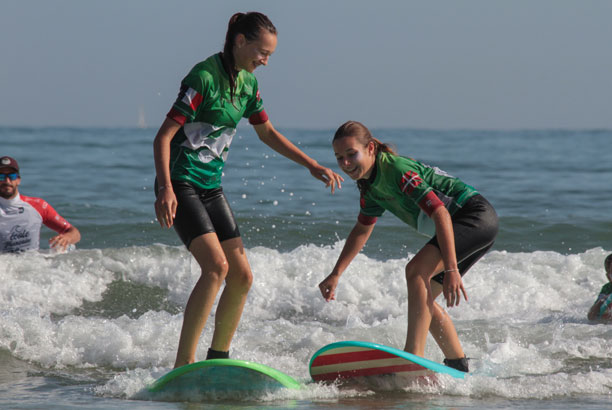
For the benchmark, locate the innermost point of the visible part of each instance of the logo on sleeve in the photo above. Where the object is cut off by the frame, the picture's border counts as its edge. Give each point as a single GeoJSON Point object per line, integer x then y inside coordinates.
{"type": "Point", "coordinates": [410, 180]}
{"type": "Point", "coordinates": [190, 97]}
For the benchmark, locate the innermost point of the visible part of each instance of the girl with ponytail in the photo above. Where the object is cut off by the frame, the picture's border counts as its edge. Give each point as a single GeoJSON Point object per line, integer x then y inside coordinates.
{"type": "Point", "coordinates": [462, 225]}
{"type": "Point", "coordinates": [190, 150]}
{"type": "Point", "coordinates": [249, 26]}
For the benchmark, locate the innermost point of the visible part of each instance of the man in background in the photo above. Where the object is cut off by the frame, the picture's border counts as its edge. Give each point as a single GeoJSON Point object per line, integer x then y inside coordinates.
{"type": "Point", "coordinates": [21, 216]}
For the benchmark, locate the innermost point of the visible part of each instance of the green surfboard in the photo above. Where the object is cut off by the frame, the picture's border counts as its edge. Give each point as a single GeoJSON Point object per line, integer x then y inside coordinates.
{"type": "Point", "coordinates": [222, 376]}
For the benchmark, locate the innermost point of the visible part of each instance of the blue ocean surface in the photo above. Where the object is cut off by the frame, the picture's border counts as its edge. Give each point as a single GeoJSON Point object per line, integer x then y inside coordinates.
{"type": "Point", "coordinates": [91, 328]}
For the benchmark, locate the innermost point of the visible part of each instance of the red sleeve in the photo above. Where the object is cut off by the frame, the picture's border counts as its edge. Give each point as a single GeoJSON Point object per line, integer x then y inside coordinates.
{"type": "Point", "coordinates": [430, 203]}
{"type": "Point", "coordinates": [177, 116]}
{"type": "Point", "coordinates": [50, 217]}
{"type": "Point", "coordinates": [258, 118]}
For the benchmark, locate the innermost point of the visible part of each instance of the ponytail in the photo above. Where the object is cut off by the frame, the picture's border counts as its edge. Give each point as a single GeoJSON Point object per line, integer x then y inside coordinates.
{"type": "Point", "coordinates": [250, 25]}
{"type": "Point", "coordinates": [362, 133]}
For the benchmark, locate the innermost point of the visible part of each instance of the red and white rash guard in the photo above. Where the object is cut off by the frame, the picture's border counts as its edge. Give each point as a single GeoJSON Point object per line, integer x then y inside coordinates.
{"type": "Point", "coordinates": [20, 221]}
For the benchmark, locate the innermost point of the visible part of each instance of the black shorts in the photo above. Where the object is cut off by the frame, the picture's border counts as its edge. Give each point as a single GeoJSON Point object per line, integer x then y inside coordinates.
{"type": "Point", "coordinates": [201, 211]}
{"type": "Point", "coordinates": [475, 227]}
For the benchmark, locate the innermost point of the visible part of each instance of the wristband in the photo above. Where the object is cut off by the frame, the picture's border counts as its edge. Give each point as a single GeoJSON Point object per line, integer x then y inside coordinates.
{"type": "Point", "coordinates": [161, 188]}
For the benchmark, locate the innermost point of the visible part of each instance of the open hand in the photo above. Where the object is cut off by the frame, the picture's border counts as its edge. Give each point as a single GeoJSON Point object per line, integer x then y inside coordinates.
{"type": "Point", "coordinates": [452, 288]}
{"type": "Point", "coordinates": [328, 176]}
{"type": "Point", "coordinates": [165, 207]}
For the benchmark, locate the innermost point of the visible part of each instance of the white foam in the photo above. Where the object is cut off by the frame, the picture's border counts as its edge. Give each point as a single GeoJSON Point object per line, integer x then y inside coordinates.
{"type": "Point", "coordinates": [524, 325]}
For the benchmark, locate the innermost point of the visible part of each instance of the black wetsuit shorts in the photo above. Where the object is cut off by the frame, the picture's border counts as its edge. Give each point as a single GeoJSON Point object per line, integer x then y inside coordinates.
{"type": "Point", "coordinates": [202, 211]}
{"type": "Point", "coordinates": [475, 226]}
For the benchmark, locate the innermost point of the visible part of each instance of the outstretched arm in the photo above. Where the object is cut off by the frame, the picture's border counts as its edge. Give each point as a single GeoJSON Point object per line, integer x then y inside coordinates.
{"type": "Point", "coordinates": [279, 143]}
{"type": "Point", "coordinates": [66, 233]}
{"type": "Point", "coordinates": [63, 240]}
{"type": "Point", "coordinates": [354, 243]}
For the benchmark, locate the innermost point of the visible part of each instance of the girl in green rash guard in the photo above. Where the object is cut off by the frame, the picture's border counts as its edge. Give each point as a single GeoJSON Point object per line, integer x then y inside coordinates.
{"type": "Point", "coordinates": [462, 223]}
{"type": "Point", "coordinates": [190, 150]}
{"type": "Point", "coordinates": [602, 308]}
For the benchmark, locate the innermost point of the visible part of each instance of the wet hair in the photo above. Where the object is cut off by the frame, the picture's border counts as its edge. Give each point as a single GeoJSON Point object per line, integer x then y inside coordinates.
{"type": "Point", "coordinates": [360, 132]}
{"type": "Point", "coordinates": [608, 263]}
{"type": "Point", "coordinates": [250, 25]}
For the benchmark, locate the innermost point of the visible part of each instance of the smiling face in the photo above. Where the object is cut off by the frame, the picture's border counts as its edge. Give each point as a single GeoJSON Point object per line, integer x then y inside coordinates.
{"type": "Point", "coordinates": [251, 54]}
{"type": "Point", "coordinates": [355, 159]}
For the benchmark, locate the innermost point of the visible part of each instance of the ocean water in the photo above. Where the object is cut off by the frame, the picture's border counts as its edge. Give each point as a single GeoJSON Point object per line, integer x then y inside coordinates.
{"type": "Point", "coordinates": [91, 328]}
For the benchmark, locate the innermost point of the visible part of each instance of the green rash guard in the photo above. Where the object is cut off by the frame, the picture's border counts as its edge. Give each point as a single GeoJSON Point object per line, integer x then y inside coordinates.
{"type": "Point", "coordinates": [209, 118]}
{"type": "Point", "coordinates": [606, 290]}
{"type": "Point", "coordinates": [411, 191]}
{"type": "Point", "coordinates": [605, 296]}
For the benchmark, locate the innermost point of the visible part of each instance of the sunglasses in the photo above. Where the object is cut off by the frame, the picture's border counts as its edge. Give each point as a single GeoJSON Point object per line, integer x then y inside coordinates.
{"type": "Point", "coordinates": [12, 176]}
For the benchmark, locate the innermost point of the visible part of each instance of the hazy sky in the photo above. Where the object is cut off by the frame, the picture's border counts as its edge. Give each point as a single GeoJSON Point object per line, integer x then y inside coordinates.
{"type": "Point", "coordinates": [399, 63]}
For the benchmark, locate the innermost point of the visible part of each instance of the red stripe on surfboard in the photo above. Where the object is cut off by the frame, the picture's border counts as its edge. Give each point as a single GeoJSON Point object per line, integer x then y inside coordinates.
{"type": "Point", "coordinates": [359, 356]}
{"type": "Point", "coordinates": [373, 371]}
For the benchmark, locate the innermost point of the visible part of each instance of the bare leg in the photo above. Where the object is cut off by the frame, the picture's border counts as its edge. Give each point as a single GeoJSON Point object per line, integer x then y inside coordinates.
{"type": "Point", "coordinates": [209, 254]}
{"type": "Point", "coordinates": [233, 298]}
{"type": "Point", "coordinates": [424, 314]}
{"type": "Point", "coordinates": [420, 306]}
{"type": "Point", "coordinates": [443, 330]}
